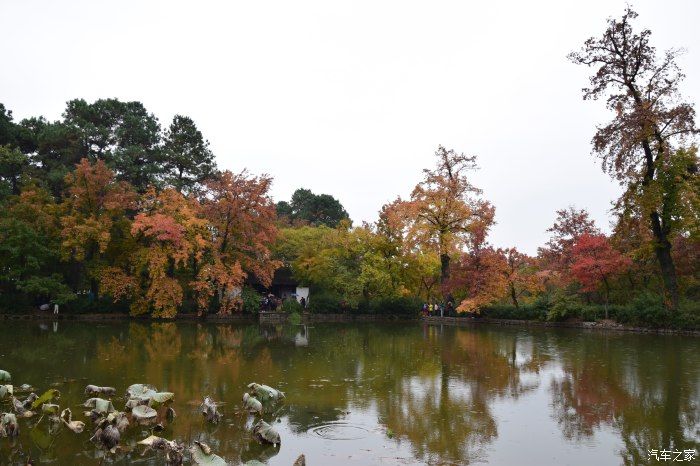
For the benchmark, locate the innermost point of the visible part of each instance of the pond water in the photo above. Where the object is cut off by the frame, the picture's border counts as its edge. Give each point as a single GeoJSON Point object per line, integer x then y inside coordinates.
{"type": "Point", "coordinates": [372, 394]}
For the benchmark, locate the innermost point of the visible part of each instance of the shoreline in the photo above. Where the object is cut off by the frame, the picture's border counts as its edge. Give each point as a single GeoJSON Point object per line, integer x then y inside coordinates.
{"type": "Point", "coordinates": [281, 318]}
{"type": "Point", "coordinates": [591, 326]}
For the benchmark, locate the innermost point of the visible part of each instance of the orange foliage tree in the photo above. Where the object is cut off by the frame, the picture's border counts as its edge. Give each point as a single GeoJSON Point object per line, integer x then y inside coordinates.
{"type": "Point", "coordinates": [203, 249]}
{"type": "Point", "coordinates": [486, 275]}
{"type": "Point", "coordinates": [171, 236]}
{"type": "Point", "coordinates": [93, 211]}
{"type": "Point", "coordinates": [445, 213]}
{"type": "Point", "coordinates": [478, 278]}
{"type": "Point", "coordinates": [241, 216]}
{"type": "Point", "coordinates": [520, 273]}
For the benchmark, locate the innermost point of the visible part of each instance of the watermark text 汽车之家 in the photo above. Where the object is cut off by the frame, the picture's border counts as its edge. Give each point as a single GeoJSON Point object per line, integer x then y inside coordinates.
{"type": "Point", "coordinates": [672, 455]}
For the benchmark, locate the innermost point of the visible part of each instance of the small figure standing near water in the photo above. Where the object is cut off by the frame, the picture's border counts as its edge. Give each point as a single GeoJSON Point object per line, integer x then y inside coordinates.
{"type": "Point", "coordinates": [55, 309]}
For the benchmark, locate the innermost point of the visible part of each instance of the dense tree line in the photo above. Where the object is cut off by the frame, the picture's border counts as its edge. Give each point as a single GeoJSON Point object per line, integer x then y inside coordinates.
{"type": "Point", "coordinates": [105, 205]}
{"type": "Point", "coordinates": [434, 245]}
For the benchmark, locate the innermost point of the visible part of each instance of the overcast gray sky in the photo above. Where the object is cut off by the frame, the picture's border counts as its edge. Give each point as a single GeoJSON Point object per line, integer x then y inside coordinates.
{"type": "Point", "coordinates": [351, 98]}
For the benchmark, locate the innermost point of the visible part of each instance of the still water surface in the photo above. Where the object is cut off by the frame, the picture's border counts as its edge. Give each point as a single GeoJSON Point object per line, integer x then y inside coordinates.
{"type": "Point", "coordinates": [374, 394]}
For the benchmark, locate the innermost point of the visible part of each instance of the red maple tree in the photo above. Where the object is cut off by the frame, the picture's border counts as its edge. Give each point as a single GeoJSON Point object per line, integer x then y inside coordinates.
{"type": "Point", "coordinates": [595, 261]}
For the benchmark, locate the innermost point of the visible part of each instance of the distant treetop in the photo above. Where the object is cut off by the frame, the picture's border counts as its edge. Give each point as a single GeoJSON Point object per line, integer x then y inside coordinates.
{"type": "Point", "coordinates": [124, 135]}
{"type": "Point", "coordinates": [316, 209]}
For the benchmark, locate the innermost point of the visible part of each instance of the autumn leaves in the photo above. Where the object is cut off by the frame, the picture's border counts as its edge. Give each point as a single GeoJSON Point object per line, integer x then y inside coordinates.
{"type": "Point", "coordinates": [153, 249]}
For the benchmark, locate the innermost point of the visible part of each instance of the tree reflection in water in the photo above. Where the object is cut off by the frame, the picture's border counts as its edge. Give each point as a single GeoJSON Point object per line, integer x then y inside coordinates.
{"type": "Point", "coordinates": [437, 389]}
{"type": "Point", "coordinates": [647, 390]}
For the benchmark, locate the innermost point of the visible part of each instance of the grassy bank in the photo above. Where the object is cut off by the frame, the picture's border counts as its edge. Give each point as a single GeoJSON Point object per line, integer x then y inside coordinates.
{"type": "Point", "coordinates": [645, 311]}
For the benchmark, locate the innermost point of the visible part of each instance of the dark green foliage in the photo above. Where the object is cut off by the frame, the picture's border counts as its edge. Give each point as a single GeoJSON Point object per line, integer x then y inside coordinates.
{"type": "Point", "coordinates": [8, 131]}
{"type": "Point", "coordinates": [291, 305]}
{"type": "Point", "coordinates": [51, 288]}
{"type": "Point", "coordinates": [13, 164]}
{"type": "Point", "coordinates": [404, 306]}
{"type": "Point", "coordinates": [29, 258]}
{"type": "Point", "coordinates": [24, 251]}
{"type": "Point", "coordinates": [688, 316]}
{"type": "Point", "coordinates": [325, 302]}
{"type": "Point", "coordinates": [330, 303]}
{"type": "Point", "coordinates": [26, 134]}
{"type": "Point", "coordinates": [316, 209]}
{"type": "Point", "coordinates": [187, 159]}
{"type": "Point", "coordinates": [646, 310]}
{"type": "Point", "coordinates": [251, 300]}
{"type": "Point", "coordinates": [86, 304]}
{"type": "Point", "coordinates": [56, 151]}
{"type": "Point", "coordinates": [294, 318]}
{"type": "Point", "coordinates": [284, 209]}
{"type": "Point", "coordinates": [124, 134]}
{"type": "Point", "coordinates": [563, 306]}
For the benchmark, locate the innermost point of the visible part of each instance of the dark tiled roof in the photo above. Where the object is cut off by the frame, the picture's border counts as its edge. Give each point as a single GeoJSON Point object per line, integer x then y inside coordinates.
{"type": "Point", "coordinates": [283, 277]}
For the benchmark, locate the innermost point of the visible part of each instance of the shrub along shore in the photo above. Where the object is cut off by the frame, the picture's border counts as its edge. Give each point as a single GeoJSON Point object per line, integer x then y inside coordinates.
{"type": "Point", "coordinates": [644, 315]}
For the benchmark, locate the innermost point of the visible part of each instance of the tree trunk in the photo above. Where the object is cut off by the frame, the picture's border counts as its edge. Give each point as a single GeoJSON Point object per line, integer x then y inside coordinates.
{"type": "Point", "coordinates": [428, 287]}
{"type": "Point", "coordinates": [94, 288]}
{"type": "Point", "coordinates": [513, 296]}
{"type": "Point", "coordinates": [663, 246]}
{"type": "Point", "coordinates": [663, 254]}
{"type": "Point", "coordinates": [444, 269]}
{"type": "Point", "coordinates": [607, 296]}
{"type": "Point", "coordinates": [15, 186]}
